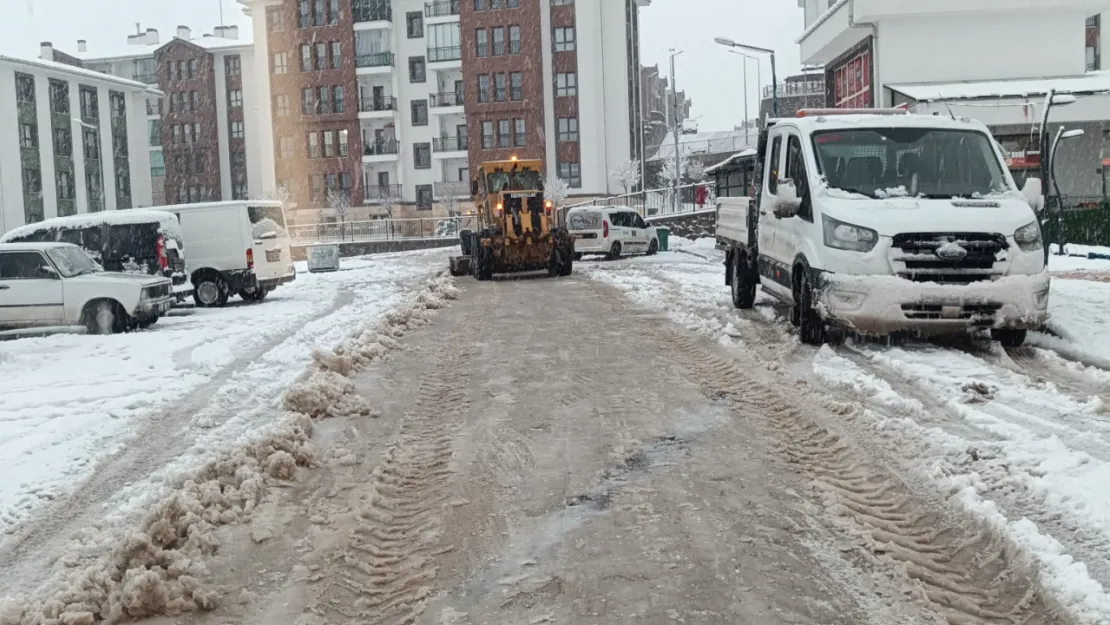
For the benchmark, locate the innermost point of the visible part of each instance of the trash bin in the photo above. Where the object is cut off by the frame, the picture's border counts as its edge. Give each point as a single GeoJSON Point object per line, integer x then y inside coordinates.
{"type": "Point", "coordinates": [664, 235]}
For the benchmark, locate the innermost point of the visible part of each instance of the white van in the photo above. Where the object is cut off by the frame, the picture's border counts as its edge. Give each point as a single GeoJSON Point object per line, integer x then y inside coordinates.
{"type": "Point", "coordinates": [610, 230]}
{"type": "Point", "coordinates": [238, 247]}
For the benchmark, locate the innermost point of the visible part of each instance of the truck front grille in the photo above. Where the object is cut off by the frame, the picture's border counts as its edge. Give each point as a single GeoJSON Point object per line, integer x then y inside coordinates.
{"type": "Point", "coordinates": [157, 291]}
{"type": "Point", "coordinates": [915, 257]}
{"type": "Point", "coordinates": [978, 314]}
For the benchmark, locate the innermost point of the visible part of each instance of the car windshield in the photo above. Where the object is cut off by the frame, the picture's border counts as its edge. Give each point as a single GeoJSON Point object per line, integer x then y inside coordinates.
{"type": "Point", "coordinates": [914, 162]}
{"type": "Point", "coordinates": [523, 180]}
{"type": "Point", "coordinates": [72, 261]}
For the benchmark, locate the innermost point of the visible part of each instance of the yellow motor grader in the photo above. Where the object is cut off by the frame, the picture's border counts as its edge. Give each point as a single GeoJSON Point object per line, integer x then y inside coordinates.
{"type": "Point", "coordinates": [517, 228]}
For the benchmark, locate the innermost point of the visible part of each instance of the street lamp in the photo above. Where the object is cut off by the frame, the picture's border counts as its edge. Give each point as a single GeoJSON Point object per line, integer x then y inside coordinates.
{"type": "Point", "coordinates": [725, 41]}
{"type": "Point", "coordinates": [675, 116]}
{"type": "Point", "coordinates": [759, 86]}
{"type": "Point", "coordinates": [1048, 154]}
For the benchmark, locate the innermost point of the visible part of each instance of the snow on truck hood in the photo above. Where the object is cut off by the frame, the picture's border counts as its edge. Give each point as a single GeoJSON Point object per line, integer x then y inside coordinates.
{"type": "Point", "coordinates": [891, 216]}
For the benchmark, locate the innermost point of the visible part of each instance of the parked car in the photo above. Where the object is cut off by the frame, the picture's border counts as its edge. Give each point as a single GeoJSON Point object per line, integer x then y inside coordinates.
{"type": "Point", "coordinates": [129, 241]}
{"type": "Point", "coordinates": [612, 231]}
{"type": "Point", "coordinates": [59, 284]}
{"type": "Point", "coordinates": [323, 257]}
{"type": "Point", "coordinates": [238, 247]}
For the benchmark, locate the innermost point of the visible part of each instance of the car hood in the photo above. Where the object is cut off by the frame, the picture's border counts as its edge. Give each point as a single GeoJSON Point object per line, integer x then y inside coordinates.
{"type": "Point", "coordinates": [1003, 215]}
{"type": "Point", "coordinates": [115, 276]}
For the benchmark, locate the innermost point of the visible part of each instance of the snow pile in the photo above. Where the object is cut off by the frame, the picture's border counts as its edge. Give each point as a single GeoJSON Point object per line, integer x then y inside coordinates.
{"type": "Point", "coordinates": [267, 227]}
{"type": "Point", "coordinates": [159, 568]}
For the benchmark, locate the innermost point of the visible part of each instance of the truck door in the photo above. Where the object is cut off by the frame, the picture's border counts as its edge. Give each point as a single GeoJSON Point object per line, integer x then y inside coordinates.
{"type": "Point", "coordinates": [793, 232]}
{"type": "Point", "coordinates": [774, 271]}
{"type": "Point", "coordinates": [30, 289]}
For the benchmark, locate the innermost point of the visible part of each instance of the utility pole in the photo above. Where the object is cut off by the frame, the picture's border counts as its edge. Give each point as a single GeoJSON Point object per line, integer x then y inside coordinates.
{"type": "Point", "coordinates": [677, 121]}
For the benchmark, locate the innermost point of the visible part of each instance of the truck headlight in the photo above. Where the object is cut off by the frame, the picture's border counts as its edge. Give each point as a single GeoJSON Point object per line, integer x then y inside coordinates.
{"type": "Point", "coordinates": [1028, 237]}
{"type": "Point", "coordinates": [844, 236]}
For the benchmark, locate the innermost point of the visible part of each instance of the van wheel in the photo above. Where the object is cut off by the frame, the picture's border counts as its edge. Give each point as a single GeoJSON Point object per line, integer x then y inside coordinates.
{"type": "Point", "coordinates": [210, 291]}
{"type": "Point", "coordinates": [653, 249]}
{"type": "Point", "coordinates": [257, 295]}
{"type": "Point", "coordinates": [1009, 338]}
{"type": "Point", "coordinates": [615, 251]}
{"type": "Point", "coordinates": [811, 327]}
{"type": "Point", "coordinates": [743, 282]}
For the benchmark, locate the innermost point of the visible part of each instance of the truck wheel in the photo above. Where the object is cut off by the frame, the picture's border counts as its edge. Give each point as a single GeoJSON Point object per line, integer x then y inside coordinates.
{"type": "Point", "coordinates": [257, 295]}
{"type": "Point", "coordinates": [743, 282]}
{"type": "Point", "coordinates": [811, 327]}
{"type": "Point", "coordinates": [653, 249]}
{"type": "Point", "coordinates": [1009, 338]}
{"type": "Point", "coordinates": [615, 251]}
{"type": "Point", "coordinates": [210, 291]}
{"type": "Point", "coordinates": [484, 264]}
{"type": "Point", "coordinates": [105, 317]}
{"type": "Point", "coordinates": [465, 242]}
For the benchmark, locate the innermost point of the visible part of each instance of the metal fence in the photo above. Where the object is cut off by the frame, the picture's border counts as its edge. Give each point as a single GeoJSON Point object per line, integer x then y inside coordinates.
{"type": "Point", "coordinates": [417, 228]}
{"type": "Point", "coordinates": [657, 202]}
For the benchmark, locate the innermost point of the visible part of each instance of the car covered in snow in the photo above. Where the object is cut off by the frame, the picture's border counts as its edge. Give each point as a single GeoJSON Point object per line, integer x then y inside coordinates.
{"type": "Point", "coordinates": [59, 284]}
{"type": "Point", "coordinates": [129, 241]}
{"type": "Point", "coordinates": [878, 222]}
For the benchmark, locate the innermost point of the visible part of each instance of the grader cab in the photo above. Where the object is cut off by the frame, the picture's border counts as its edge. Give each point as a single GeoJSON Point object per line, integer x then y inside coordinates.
{"type": "Point", "coordinates": [518, 228]}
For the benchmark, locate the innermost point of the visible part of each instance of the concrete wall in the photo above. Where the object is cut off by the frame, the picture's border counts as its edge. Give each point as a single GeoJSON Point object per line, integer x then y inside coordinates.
{"type": "Point", "coordinates": [347, 250]}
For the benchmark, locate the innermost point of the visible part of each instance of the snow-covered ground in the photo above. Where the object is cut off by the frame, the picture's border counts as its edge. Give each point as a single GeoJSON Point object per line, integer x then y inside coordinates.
{"type": "Point", "coordinates": [1019, 439]}
{"type": "Point", "coordinates": [70, 401]}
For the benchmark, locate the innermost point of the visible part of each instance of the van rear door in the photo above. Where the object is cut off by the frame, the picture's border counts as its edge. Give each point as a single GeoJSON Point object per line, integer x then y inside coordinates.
{"type": "Point", "coordinates": [272, 255]}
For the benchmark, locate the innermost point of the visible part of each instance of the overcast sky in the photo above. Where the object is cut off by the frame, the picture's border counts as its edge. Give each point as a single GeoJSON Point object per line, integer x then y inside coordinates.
{"type": "Point", "coordinates": [706, 71]}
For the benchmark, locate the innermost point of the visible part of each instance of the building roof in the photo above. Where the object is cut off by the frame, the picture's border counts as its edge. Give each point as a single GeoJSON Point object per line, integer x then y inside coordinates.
{"type": "Point", "coordinates": [79, 72]}
{"type": "Point", "coordinates": [123, 50]}
{"type": "Point", "coordinates": [1092, 82]}
{"type": "Point", "coordinates": [735, 157]}
{"type": "Point", "coordinates": [216, 44]}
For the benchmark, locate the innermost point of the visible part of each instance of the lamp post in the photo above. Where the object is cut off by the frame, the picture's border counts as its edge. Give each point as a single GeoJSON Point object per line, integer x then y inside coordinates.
{"type": "Point", "coordinates": [725, 41]}
{"type": "Point", "coordinates": [747, 129]}
{"type": "Point", "coordinates": [677, 121]}
{"type": "Point", "coordinates": [1048, 155]}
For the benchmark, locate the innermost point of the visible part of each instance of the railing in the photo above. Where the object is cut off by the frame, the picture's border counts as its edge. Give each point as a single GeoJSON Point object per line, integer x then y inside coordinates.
{"type": "Point", "coordinates": [379, 192]}
{"type": "Point", "coordinates": [449, 144]}
{"type": "Point", "coordinates": [452, 189]}
{"type": "Point", "coordinates": [377, 59]}
{"type": "Point", "coordinates": [372, 11]}
{"type": "Point", "coordinates": [446, 99]}
{"type": "Point", "coordinates": [656, 202]}
{"type": "Point", "coordinates": [147, 78]}
{"type": "Point", "coordinates": [445, 53]}
{"type": "Point", "coordinates": [370, 105]}
{"type": "Point", "coordinates": [375, 148]}
{"type": "Point", "coordinates": [419, 228]}
{"type": "Point", "coordinates": [730, 143]}
{"type": "Point", "coordinates": [442, 9]}
{"type": "Point", "coordinates": [786, 89]}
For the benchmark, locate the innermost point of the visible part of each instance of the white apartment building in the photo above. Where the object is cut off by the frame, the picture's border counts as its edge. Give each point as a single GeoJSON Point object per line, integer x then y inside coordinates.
{"type": "Point", "coordinates": [72, 141]}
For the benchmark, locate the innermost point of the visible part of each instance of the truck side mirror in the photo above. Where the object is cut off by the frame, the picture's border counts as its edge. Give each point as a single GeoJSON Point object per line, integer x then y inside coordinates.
{"type": "Point", "coordinates": [1034, 193]}
{"type": "Point", "coordinates": [474, 187]}
{"type": "Point", "coordinates": [786, 203]}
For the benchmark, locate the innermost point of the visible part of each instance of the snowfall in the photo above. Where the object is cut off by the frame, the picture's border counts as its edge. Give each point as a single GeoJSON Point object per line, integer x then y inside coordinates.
{"type": "Point", "coordinates": [1020, 439]}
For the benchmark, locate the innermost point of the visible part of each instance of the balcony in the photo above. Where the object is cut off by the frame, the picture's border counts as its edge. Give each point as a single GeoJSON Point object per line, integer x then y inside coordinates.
{"type": "Point", "coordinates": [375, 63]}
{"type": "Point", "coordinates": [444, 8]}
{"type": "Point", "coordinates": [381, 192]}
{"type": "Point", "coordinates": [386, 105]}
{"type": "Point", "coordinates": [790, 89]}
{"type": "Point", "coordinates": [366, 11]}
{"type": "Point", "coordinates": [446, 54]}
{"type": "Point", "coordinates": [449, 144]}
{"type": "Point", "coordinates": [443, 100]}
{"type": "Point", "coordinates": [452, 189]}
{"type": "Point", "coordinates": [380, 150]}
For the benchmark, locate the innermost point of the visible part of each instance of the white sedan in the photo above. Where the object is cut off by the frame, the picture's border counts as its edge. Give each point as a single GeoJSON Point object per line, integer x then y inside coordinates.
{"type": "Point", "coordinates": [59, 284]}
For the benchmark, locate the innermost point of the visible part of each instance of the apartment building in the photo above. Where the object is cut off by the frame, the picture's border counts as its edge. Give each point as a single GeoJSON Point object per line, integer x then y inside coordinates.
{"type": "Point", "coordinates": [198, 135]}
{"type": "Point", "coordinates": [72, 140]}
{"type": "Point", "coordinates": [385, 104]}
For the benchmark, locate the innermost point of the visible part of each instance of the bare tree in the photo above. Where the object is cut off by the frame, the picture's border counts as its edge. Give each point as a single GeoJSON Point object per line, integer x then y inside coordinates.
{"type": "Point", "coordinates": [627, 175]}
{"type": "Point", "coordinates": [668, 176]}
{"type": "Point", "coordinates": [556, 189]}
{"type": "Point", "coordinates": [339, 201]}
{"type": "Point", "coordinates": [387, 205]}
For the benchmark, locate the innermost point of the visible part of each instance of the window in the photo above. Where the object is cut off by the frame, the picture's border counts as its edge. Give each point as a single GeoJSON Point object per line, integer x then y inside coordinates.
{"type": "Point", "coordinates": [233, 65]}
{"type": "Point", "coordinates": [773, 170]}
{"type": "Point", "coordinates": [519, 135]}
{"type": "Point", "coordinates": [308, 100]}
{"type": "Point", "coordinates": [321, 56]}
{"type": "Point", "coordinates": [414, 24]}
{"type": "Point", "coordinates": [514, 40]}
{"type": "Point", "coordinates": [24, 266]}
{"type": "Point", "coordinates": [235, 98]}
{"type": "Point", "coordinates": [516, 86]}
{"type": "Point", "coordinates": [175, 134]}
{"type": "Point", "coordinates": [483, 87]}
{"type": "Point", "coordinates": [28, 136]}
{"type": "Point", "coordinates": [322, 100]}
{"type": "Point", "coordinates": [196, 131]}
{"type": "Point", "coordinates": [198, 162]}
{"type": "Point", "coordinates": [333, 12]}
{"type": "Point", "coordinates": [498, 40]}
{"type": "Point", "coordinates": [481, 42]}
{"type": "Point", "coordinates": [566, 84]}
{"type": "Point", "coordinates": [512, 4]}
{"type": "Point", "coordinates": [494, 4]}
{"type": "Point", "coordinates": [424, 197]}
{"type": "Point", "coordinates": [499, 87]}
{"type": "Point", "coordinates": [318, 13]}
{"type": "Point", "coordinates": [336, 55]}
{"type": "Point", "coordinates": [419, 112]}
{"type": "Point", "coordinates": [175, 70]}
{"type": "Point", "coordinates": [89, 103]}
{"type": "Point", "coordinates": [504, 138]}
{"type": "Point", "coordinates": [64, 181]}
{"type": "Point", "coordinates": [337, 101]}
{"type": "Point", "coordinates": [190, 136]}
{"type": "Point", "coordinates": [285, 147]}
{"type": "Point", "coordinates": [479, 5]}
{"type": "Point", "coordinates": [63, 137]}
{"type": "Point", "coordinates": [194, 98]}
{"type": "Point", "coordinates": [559, 2]}
{"type": "Point", "coordinates": [487, 135]}
{"type": "Point", "coordinates": [238, 190]}
{"type": "Point", "coordinates": [25, 88]}
{"type": "Point", "coordinates": [343, 145]}
{"type": "Point", "coordinates": [306, 57]}
{"type": "Point", "coordinates": [564, 39]}
{"type": "Point", "coordinates": [417, 69]}
{"type": "Point", "coordinates": [796, 171]}
{"type": "Point", "coordinates": [236, 130]}
{"type": "Point", "coordinates": [303, 12]}
{"type": "Point", "coordinates": [313, 145]}
{"type": "Point", "coordinates": [422, 155]}
{"type": "Point", "coordinates": [571, 173]}
{"type": "Point", "coordinates": [175, 102]}
{"type": "Point", "coordinates": [329, 144]}
{"type": "Point", "coordinates": [276, 19]}
{"type": "Point", "coordinates": [281, 105]}
{"type": "Point", "coordinates": [281, 63]}
{"type": "Point", "coordinates": [568, 129]}
{"type": "Point", "coordinates": [345, 183]}
{"type": "Point", "coordinates": [316, 186]}
{"type": "Point", "coordinates": [192, 68]}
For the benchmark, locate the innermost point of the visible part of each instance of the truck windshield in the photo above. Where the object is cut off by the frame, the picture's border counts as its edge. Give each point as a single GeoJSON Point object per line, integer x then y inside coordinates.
{"type": "Point", "coordinates": [524, 180]}
{"type": "Point", "coordinates": [72, 261]}
{"type": "Point", "coordinates": [914, 162]}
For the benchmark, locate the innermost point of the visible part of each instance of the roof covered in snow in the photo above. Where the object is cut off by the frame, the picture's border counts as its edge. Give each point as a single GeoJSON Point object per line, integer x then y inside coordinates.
{"type": "Point", "coordinates": [78, 72]}
{"type": "Point", "coordinates": [1092, 82]}
{"type": "Point", "coordinates": [113, 218]}
{"type": "Point", "coordinates": [735, 157]}
{"type": "Point", "coordinates": [122, 50]}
